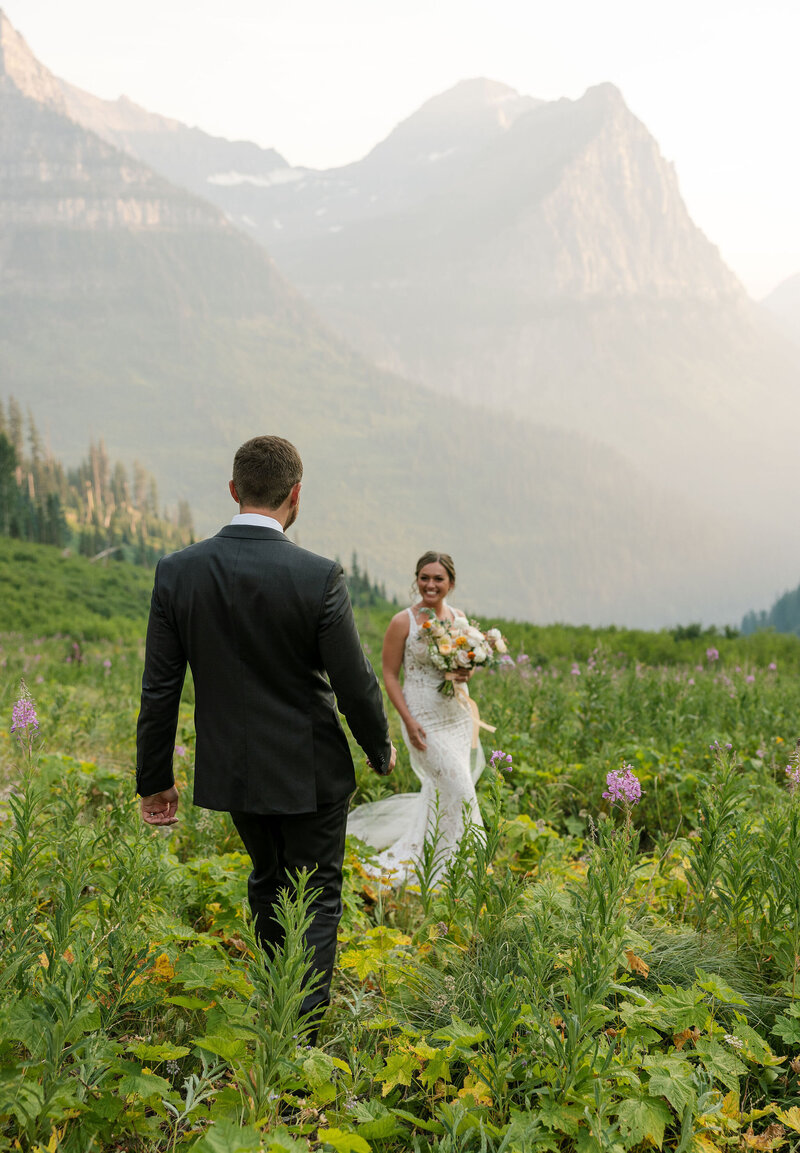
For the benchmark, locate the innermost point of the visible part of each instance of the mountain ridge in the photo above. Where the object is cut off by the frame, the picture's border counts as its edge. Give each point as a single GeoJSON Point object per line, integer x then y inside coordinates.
{"type": "Point", "coordinates": [175, 332]}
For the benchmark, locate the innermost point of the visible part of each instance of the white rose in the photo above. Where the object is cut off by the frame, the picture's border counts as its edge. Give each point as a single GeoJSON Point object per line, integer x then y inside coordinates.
{"type": "Point", "coordinates": [475, 636]}
{"type": "Point", "coordinates": [463, 659]}
{"type": "Point", "coordinates": [494, 634]}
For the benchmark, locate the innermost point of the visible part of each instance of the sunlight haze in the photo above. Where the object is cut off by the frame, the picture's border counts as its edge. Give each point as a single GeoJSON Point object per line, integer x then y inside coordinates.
{"type": "Point", "coordinates": [716, 83]}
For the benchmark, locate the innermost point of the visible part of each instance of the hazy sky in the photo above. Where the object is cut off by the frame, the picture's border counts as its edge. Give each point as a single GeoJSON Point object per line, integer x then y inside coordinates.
{"type": "Point", "coordinates": [715, 81]}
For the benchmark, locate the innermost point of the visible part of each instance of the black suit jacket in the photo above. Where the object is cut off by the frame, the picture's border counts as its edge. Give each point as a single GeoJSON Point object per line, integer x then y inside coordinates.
{"type": "Point", "coordinates": [260, 622]}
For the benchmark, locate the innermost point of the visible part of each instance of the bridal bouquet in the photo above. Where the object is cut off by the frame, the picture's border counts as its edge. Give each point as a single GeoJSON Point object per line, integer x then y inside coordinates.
{"type": "Point", "coordinates": [454, 645]}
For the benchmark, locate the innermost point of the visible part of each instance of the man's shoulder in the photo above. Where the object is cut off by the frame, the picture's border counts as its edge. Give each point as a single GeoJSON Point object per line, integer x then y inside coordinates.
{"type": "Point", "coordinates": [294, 555]}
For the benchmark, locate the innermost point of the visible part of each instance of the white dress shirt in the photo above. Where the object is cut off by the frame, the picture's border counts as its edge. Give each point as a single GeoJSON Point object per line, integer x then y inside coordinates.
{"type": "Point", "coordinates": [257, 518]}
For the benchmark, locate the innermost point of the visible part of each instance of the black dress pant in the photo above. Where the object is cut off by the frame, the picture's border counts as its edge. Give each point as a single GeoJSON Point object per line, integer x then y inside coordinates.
{"type": "Point", "coordinates": [279, 847]}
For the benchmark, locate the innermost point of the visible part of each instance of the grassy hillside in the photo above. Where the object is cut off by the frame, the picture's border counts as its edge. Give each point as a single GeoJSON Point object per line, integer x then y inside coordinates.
{"type": "Point", "coordinates": [44, 592]}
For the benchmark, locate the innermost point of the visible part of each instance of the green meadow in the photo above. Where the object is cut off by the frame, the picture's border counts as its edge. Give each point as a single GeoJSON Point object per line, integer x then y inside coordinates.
{"type": "Point", "coordinates": [588, 977]}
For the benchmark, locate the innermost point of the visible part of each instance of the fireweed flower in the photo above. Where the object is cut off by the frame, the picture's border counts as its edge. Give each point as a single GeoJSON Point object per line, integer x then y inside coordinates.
{"type": "Point", "coordinates": [500, 760]}
{"type": "Point", "coordinates": [712, 654]}
{"type": "Point", "coordinates": [623, 787]}
{"type": "Point", "coordinates": [23, 715]}
{"type": "Point", "coordinates": [793, 777]}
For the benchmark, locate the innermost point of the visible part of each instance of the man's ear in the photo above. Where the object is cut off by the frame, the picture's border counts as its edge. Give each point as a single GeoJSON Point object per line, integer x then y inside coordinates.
{"type": "Point", "coordinates": [233, 492]}
{"type": "Point", "coordinates": [294, 495]}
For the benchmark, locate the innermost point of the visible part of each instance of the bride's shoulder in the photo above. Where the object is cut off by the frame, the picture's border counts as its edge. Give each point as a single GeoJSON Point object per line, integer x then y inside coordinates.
{"type": "Point", "coordinates": [457, 614]}
{"type": "Point", "coordinates": [399, 624]}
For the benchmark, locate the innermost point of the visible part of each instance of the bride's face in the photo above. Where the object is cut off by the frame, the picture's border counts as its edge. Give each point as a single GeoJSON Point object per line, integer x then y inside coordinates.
{"type": "Point", "coordinates": [433, 583]}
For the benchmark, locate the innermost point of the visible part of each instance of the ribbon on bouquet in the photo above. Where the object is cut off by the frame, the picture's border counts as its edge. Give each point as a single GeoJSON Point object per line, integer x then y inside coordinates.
{"type": "Point", "coordinates": [466, 702]}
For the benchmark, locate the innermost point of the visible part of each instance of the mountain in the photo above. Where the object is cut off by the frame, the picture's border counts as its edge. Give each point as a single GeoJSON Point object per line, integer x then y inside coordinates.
{"type": "Point", "coordinates": [783, 303]}
{"type": "Point", "coordinates": [133, 310]}
{"type": "Point", "coordinates": [538, 257]}
{"type": "Point", "coordinates": [187, 156]}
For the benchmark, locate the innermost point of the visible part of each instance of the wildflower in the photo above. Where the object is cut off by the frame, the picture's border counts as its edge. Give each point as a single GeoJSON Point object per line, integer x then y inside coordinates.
{"type": "Point", "coordinates": [712, 654]}
{"type": "Point", "coordinates": [750, 679]}
{"type": "Point", "coordinates": [523, 659]}
{"type": "Point", "coordinates": [623, 786]}
{"type": "Point", "coordinates": [23, 715]}
{"type": "Point", "coordinates": [107, 663]}
{"type": "Point", "coordinates": [793, 773]}
{"type": "Point", "coordinates": [690, 681]}
{"type": "Point", "coordinates": [500, 760]}
{"type": "Point", "coordinates": [734, 1042]}
{"type": "Point", "coordinates": [575, 670]}
{"type": "Point", "coordinates": [773, 668]}
{"type": "Point", "coordinates": [180, 750]}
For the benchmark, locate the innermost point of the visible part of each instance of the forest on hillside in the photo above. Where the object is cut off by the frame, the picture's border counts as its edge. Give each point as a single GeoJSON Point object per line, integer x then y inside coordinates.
{"type": "Point", "coordinates": [97, 509]}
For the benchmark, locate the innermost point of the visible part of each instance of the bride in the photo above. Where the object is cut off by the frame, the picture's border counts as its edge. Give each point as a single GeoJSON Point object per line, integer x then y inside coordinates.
{"type": "Point", "coordinates": [438, 732]}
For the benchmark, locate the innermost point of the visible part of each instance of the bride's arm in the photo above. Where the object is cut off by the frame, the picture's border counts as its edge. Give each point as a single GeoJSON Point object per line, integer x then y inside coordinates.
{"type": "Point", "coordinates": [393, 646]}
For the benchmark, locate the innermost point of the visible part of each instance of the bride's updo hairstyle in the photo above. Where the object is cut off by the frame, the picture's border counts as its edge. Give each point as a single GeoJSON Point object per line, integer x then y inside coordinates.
{"type": "Point", "coordinates": [442, 558]}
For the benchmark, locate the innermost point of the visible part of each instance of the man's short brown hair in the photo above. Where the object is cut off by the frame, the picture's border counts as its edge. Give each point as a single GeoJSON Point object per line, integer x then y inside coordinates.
{"type": "Point", "coordinates": [265, 470]}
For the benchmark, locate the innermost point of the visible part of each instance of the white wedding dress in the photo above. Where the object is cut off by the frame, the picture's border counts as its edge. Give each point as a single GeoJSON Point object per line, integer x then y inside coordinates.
{"type": "Point", "coordinates": [399, 824]}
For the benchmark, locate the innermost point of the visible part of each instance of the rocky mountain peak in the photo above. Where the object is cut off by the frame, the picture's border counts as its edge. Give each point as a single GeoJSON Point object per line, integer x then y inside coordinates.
{"type": "Point", "coordinates": [463, 117]}
{"type": "Point", "coordinates": [21, 71]}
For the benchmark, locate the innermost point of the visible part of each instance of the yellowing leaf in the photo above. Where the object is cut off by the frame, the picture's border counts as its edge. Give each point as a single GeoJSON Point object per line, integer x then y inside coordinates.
{"type": "Point", "coordinates": [163, 969]}
{"type": "Point", "coordinates": [790, 1117]}
{"type": "Point", "coordinates": [680, 1039]}
{"type": "Point", "coordinates": [478, 1090]}
{"type": "Point", "coordinates": [637, 965]}
{"type": "Point", "coordinates": [43, 961]}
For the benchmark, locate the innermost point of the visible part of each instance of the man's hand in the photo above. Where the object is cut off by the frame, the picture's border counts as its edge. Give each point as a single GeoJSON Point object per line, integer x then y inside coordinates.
{"type": "Point", "coordinates": [392, 762]}
{"type": "Point", "coordinates": [160, 808]}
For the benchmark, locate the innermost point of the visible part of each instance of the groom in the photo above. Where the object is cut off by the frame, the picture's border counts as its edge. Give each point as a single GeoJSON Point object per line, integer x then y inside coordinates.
{"type": "Point", "coordinates": [260, 623]}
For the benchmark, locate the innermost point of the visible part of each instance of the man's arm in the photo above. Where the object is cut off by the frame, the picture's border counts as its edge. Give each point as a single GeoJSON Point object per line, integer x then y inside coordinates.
{"type": "Point", "coordinates": [353, 680]}
{"type": "Point", "coordinates": [162, 683]}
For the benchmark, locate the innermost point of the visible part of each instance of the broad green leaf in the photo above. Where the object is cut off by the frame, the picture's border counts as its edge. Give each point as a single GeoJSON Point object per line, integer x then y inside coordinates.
{"type": "Point", "coordinates": [420, 1122]}
{"type": "Point", "coordinates": [280, 1140]}
{"type": "Point", "coordinates": [136, 1081]}
{"type": "Point", "coordinates": [227, 1137]}
{"type": "Point", "coordinates": [225, 1045]}
{"type": "Point", "coordinates": [187, 1002]}
{"type": "Point", "coordinates": [721, 1063]}
{"type": "Point", "coordinates": [561, 1118]}
{"type": "Point", "coordinates": [671, 1077]}
{"type": "Point", "coordinates": [713, 984]}
{"type": "Point", "coordinates": [788, 1029]}
{"type": "Point", "coordinates": [342, 1141]}
{"type": "Point", "coordinates": [644, 1120]}
{"type": "Point", "coordinates": [398, 1070]}
{"type": "Point", "coordinates": [380, 1128]}
{"type": "Point", "coordinates": [460, 1033]}
{"type": "Point", "coordinates": [158, 1052]}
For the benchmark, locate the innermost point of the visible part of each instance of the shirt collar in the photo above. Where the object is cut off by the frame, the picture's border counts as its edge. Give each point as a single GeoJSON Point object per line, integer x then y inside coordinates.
{"type": "Point", "coordinates": [258, 519]}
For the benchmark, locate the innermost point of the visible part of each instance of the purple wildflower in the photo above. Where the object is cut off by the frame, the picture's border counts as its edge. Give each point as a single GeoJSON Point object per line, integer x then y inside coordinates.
{"type": "Point", "coordinates": [500, 760]}
{"type": "Point", "coordinates": [793, 774]}
{"type": "Point", "coordinates": [107, 663]}
{"type": "Point", "coordinates": [623, 787]}
{"type": "Point", "coordinates": [773, 668]}
{"type": "Point", "coordinates": [712, 654]}
{"type": "Point", "coordinates": [23, 715]}
{"type": "Point", "coordinates": [749, 679]}
{"type": "Point", "coordinates": [523, 659]}
{"type": "Point", "coordinates": [575, 670]}
{"type": "Point", "coordinates": [180, 750]}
